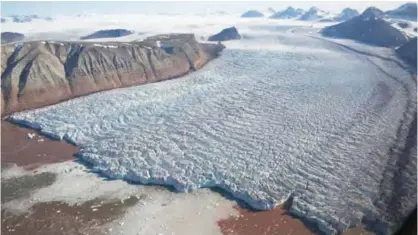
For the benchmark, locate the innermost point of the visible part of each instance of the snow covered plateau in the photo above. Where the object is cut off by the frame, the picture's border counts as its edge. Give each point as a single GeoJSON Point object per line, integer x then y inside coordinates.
{"type": "Point", "coordinates": [278, 115]}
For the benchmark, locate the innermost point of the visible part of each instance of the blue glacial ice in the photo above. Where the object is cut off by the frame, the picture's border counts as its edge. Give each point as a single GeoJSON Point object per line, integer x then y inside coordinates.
{"type": "Point", "coordinates": [301, 117]}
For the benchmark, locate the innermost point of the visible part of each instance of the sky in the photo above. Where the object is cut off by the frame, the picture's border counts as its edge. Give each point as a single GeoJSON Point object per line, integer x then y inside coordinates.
{"type": "Point", "coordinates": [117, 7]}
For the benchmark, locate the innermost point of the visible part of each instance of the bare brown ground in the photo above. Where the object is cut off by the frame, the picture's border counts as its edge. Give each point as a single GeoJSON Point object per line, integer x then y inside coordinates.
{"type": "Point", "coordinates": [17, 148]}
{"type": "Point", "coordinates": [54, 218]}
{"type": "Point", "coordinates": [275, 222]}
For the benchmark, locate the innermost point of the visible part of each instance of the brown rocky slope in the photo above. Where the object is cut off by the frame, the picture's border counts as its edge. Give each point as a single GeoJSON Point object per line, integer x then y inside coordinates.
{"type": "Point", "coordinates": [39, 73]}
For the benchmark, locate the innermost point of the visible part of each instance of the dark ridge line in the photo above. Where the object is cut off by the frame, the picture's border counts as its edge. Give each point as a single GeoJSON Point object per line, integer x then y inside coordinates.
{"type": "Point", "coordinates": [7, 113]}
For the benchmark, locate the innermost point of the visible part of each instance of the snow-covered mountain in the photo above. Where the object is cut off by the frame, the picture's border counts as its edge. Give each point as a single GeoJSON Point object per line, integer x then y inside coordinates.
{"type": "Point", "coordinates": [405, 26]}
{"type": "Point", "coordinates": [289, 13]}
{"type": "Point", "coordinates": [370, 27]}
{"type": "Point", "coordinates": [315, 14]}
{"type": "Point", "coordinates": [406, 11]}
{"type": "Point", "coordinates": [252, 14]}
{"type": "Point", "coordinates": [346, 14]}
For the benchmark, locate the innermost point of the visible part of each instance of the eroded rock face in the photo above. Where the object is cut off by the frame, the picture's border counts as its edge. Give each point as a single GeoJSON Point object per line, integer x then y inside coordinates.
{"type": "Point", "coordinates": [35, 74]}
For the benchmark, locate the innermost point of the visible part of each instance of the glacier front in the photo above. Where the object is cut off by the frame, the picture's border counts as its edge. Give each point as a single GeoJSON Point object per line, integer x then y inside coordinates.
{"type": "Point", "coordinates": [272, 118]}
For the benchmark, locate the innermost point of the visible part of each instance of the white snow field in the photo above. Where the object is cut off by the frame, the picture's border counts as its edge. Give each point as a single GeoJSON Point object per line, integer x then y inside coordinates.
{"type": "Point", "coordinates": [273, 117]}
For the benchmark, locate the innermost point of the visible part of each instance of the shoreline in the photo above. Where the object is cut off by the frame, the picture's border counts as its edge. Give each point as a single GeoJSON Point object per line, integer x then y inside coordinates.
{"type": "Point", "coordinates": [249, 221]}
{"type": "Point", "coordinates": [31, 152]}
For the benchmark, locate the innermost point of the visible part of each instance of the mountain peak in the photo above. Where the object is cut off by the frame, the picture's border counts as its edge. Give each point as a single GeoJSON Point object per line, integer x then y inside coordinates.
{"type": "Point", "coordinates": [372, 12]}
{"type": "Point", "coordinates": [289, 13]}
{"type": "Point", "coordinates": [406, 11]}
{"type": "Point", "coordinates": [252, 13]}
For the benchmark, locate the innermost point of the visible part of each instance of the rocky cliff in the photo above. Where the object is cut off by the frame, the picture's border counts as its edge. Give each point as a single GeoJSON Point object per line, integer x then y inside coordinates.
{"type": "Point", "coordinates": [39, 73]}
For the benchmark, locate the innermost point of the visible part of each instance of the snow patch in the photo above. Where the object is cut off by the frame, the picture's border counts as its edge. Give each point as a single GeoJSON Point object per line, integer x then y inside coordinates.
{"type": "Point", "coordinates": [30, 135]}
{"type": "Point", "coordinates": [105, 46]}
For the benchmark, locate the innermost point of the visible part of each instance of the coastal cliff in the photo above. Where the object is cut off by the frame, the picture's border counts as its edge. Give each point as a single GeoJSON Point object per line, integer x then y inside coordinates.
{"type": "Point", "coordinates": [40, 73]}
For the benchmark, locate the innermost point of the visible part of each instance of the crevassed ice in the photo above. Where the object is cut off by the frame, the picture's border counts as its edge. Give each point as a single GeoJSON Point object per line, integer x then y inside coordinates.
{"type": "Point", "coordinates": [315, 124]}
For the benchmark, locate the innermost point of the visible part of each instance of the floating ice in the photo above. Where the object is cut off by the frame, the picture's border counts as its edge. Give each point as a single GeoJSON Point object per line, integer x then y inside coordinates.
{"type": "Point", "coordinates": [30, 135]}
{"type": "Point", "coordinates": [323, 125]}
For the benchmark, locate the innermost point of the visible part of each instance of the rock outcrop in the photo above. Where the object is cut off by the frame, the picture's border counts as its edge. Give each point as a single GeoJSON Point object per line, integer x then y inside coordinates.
{"type": "Point", "coordinates": [225, 35]}
{"type": "Point", "coordinates": [369, 27]}
{"type": "Point", "coordinates": [252, 14]}
{"type": "Point", "coordinates": [408, 52]}
{"type": "Point", "coordinates": [289, 13]}
{"type": "Point", "coordinates": [109, 33]}
{"type": "Point", "coordinates": [39, 73]}
{"type": "Point", "coordinates": [406, 11]}
{"type": "Point", "coordinates": [403, 24]}
{"type": "Point", "coordinates": [8, 37]}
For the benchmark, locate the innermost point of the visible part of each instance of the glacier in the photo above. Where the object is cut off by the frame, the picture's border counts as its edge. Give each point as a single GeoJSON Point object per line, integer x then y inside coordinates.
{"type": "Point", "coordinates": [273, 118]}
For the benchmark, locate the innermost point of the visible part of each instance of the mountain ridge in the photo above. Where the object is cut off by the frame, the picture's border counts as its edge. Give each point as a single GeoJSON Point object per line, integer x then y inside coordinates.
{"type": "Point", "coordinates": [31, 70]}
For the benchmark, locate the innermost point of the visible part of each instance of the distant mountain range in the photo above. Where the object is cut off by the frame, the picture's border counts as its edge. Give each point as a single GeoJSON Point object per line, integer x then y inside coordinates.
{"type": "Point", "coordinates": [369, 27]}
{"type": "Point", "coordinates": [314, 14]}
{"type": "Point", "coordinates": [289, 13]}
{"type": "Point", "coordinates": [406, 11]}
{"type": "Point", "coordinates": [24, 18]}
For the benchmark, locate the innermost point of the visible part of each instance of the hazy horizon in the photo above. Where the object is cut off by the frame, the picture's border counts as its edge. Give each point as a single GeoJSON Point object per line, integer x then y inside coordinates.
{"type": "Point", "coordinates": [73, 8]}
